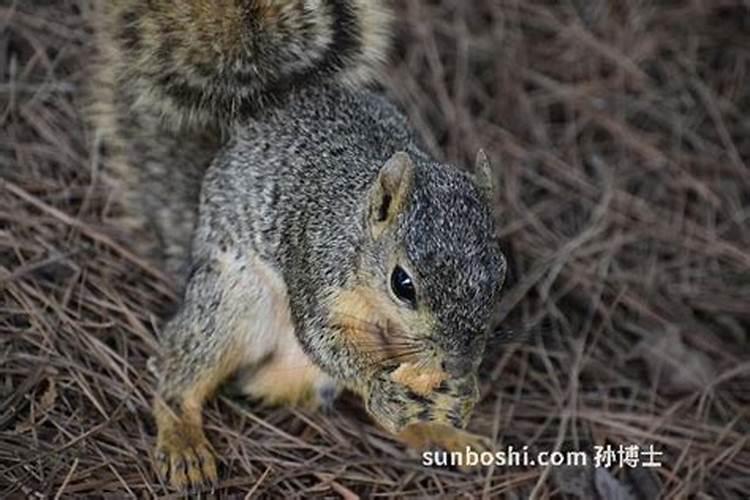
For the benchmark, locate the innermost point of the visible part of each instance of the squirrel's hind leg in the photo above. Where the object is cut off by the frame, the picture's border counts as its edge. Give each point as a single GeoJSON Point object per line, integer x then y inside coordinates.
{"type": "Point", "coordinates": [203, 345]}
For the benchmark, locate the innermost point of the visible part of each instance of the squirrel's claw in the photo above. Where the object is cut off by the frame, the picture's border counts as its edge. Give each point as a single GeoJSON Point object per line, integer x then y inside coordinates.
{"type": "Point", "coordinates": [463, 442]}
{"type": "Point", "coordinates": [422, 435]}
{"type": "Point", "coordinates": [425, 435]}
{"type": "Point", "coordinates": [459, 440]}
{"type": "Point", "coordinates": [185, 461]}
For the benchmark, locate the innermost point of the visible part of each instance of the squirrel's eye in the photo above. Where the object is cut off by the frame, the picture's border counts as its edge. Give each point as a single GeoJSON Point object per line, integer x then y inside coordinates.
{"type": "Point", "coordinates": [403, 286]}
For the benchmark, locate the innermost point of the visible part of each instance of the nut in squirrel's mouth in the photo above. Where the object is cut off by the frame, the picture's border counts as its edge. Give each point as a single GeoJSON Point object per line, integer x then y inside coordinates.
{"type": "Point", "coordinates": [422, 378]}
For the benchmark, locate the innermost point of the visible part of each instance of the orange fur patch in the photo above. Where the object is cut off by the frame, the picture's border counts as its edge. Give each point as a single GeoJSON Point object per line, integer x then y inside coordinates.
{"type": "Point", "coordinates": [361, 313]}
{"type": "Point", "coordinates": [287, 379]}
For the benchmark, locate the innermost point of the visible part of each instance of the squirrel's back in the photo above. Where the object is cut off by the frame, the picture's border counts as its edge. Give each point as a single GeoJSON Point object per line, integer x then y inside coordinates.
{"type": "Point", "coordinates": [173, 76]}
{"type": "Point", "coordinates": [319, 149]}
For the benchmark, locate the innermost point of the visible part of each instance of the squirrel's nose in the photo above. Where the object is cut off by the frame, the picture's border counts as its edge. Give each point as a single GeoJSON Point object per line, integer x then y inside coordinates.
{"type": "Point", "coordinates": [457, 366]}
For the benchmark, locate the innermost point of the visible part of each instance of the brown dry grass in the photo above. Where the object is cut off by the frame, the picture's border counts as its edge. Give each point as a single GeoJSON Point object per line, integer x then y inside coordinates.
{"type": "Point", "coordinates": [620, 132]}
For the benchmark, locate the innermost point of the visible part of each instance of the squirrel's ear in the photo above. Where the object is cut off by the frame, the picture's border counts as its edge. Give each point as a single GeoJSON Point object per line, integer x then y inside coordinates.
{"type": "Point", "coordinates": [483, 175]}
{"type": "Point", "coordinates": [391, 189]}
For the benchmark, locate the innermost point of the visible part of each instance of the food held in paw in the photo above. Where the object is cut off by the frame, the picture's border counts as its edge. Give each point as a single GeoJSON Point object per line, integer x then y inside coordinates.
{"type": "Point", "coordinates": [420, 379]}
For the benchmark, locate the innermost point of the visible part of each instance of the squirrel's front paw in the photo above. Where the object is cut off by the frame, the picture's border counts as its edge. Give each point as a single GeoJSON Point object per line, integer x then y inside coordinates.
{"type": "Point", "coordinates": [184, 458]}
{"type": "Point", "coordinates": [396, 406]}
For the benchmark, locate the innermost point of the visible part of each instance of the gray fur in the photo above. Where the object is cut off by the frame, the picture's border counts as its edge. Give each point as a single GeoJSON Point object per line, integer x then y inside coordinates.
{"type": "Point", "coordinates": [292, 186]}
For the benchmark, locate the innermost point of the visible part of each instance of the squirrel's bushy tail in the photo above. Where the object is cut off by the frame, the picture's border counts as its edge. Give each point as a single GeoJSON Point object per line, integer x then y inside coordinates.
{"type": "Point", "coordinates": [171, 75]}
{"type": "Point", "coordinates": [203, 61]}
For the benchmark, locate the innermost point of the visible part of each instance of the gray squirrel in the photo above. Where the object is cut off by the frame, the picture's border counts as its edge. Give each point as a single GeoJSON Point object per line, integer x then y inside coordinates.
{"type": "Point", "coordinates": [317, 246]}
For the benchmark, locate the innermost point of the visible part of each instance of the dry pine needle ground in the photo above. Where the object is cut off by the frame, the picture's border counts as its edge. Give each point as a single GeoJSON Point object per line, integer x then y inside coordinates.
{"type": "Point", "coordinates": [621, 135]}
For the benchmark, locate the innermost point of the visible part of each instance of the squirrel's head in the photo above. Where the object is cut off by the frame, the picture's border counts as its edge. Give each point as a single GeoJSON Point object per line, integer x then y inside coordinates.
{"type": "Point", "coordinates": [431, 268]}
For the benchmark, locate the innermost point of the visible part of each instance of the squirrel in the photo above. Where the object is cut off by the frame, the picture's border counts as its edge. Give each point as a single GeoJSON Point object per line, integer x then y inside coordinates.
{"type": "Point", "coordinates": [317, 245]}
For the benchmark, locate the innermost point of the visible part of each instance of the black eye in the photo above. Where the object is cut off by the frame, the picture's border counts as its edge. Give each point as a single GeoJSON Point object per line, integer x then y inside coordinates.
{"type": "Point", "coordinates": [403, 286]}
